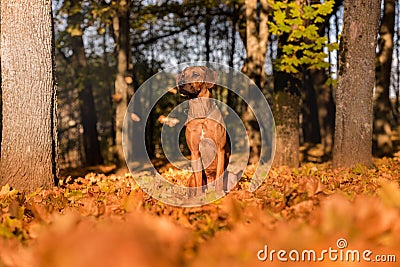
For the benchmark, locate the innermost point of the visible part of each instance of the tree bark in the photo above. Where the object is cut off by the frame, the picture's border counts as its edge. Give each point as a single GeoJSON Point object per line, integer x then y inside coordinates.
{"type": "Point", "coordinates": [286, 110]}
{"type": "Point", "coordinates": [256, 48]}
{"type": "Point", "coordinates": [87, 107]}
{"type": "Point", "coordinates": [288, 88]}
{"type": "Point", "coordinates": [121, 37]}
{"type": "Point", "coordinates": [353, 127]}
{"type": "Point", "coordinates": [29, 141]}
{"type": "Point", "coordinates": [256, 40]}
{"type": "Point", "coordinates": [382, 133]}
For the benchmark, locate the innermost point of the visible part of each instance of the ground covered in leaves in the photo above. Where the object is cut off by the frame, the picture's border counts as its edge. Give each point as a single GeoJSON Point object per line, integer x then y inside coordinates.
{"type": "Point", "coordinates": [104, 220]}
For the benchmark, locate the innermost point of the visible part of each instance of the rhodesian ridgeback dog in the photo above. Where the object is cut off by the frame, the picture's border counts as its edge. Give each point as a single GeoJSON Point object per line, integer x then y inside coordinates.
{"type": "Point", "coordinates": [205, 129]}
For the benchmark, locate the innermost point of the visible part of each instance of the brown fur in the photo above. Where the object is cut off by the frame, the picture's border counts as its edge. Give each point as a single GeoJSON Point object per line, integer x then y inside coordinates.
{"type": "Point", "coordinates": [204, 121]}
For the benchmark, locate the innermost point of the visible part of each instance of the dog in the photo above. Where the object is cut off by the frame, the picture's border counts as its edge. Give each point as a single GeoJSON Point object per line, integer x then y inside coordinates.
{"type": "Point", "coordinates": [205, 129]}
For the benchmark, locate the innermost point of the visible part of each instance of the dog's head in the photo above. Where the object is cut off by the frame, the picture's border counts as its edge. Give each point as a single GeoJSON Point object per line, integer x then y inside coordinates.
{"type": "Point", "coordinates": [193, 80]}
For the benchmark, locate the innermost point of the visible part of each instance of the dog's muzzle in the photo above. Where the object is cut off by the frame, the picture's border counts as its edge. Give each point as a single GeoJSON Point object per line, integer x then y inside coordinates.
{"type": "Point", "coordinates": [187, 89]}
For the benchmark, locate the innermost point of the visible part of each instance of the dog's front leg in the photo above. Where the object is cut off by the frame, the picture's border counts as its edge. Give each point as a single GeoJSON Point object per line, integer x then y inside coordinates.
{"type": "Point", "coordinates": [219, 179]}
{"type": "Point", "coordinates": [197, 168]}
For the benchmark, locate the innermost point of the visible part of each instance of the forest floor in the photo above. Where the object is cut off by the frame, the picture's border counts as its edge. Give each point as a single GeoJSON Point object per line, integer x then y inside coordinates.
{"type": "Point", "coordinates": [107, 220]}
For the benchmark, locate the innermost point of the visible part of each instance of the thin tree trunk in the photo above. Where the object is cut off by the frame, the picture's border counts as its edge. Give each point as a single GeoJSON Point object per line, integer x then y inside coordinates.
{"type": "Point", "coordinates": [382, 134]}
{"type": "Point", "coordinates": [232, 98]}
{"type": "Point", "coordinates": [256, 48]}
{"type": "Point", "coordinates": [324, 92]}
{"type": "Point", "coordinates": [207, 37]}
{"type": "Point", "coordinates": [309, 110]}
{"type": "Point", "coordinates": [29, 141]}
{"type": "Point", "coordinates": [353, 127]}
{"type": "Point", "coordinates": [256, 40]}
{"type": "Point", "coordinates": [326, 109]}
{"type": "Point", "coordinates": [87, 107]}
{"type": "Point", "coordinates": [121, 35]}
{"type": "Point", "coordinates": [110, 92]}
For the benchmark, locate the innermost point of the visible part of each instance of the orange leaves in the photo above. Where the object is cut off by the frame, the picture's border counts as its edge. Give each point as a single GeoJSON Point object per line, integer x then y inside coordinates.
{"type": "Point", "coordinates": [141, 240]}
{"type": "Point", "coordinates": [92, 220]}
{"type": "Point", "coordinates": [171, 122]}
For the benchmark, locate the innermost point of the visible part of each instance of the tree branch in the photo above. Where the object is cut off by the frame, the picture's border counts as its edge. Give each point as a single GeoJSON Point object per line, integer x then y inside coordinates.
{"type": "Point", "coordinates": [156, 38]}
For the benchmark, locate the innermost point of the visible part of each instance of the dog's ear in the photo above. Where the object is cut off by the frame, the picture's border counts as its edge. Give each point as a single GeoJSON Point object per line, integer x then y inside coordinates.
{"type": "Point", "coordinates": [211, 78]}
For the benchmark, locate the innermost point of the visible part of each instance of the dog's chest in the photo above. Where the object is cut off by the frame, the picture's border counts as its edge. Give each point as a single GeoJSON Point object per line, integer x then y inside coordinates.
{"type": "Point", "coordinates": [203, 133]}
{"type": "Point", "coordinates": [204, 109]}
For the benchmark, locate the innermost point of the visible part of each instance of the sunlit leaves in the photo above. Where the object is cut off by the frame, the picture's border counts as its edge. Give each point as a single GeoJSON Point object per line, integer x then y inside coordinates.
{"type": "Point", "coordinates": [73, 31]}
{"type": "Point", "coordinates": [390, 194]}
{"type": "Point", "coordinates": [311, 205]}
{"type": "Point", "coordinates": [303, 44]}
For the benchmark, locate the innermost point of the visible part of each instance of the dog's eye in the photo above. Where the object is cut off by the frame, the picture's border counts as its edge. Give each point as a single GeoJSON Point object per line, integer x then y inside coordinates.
{"type": "Point", "coordinates": [195, 75]}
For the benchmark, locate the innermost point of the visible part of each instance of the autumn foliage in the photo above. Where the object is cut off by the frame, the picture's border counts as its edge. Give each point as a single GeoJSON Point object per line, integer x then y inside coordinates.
{"type": "Point", "coordinates": [104, 220]}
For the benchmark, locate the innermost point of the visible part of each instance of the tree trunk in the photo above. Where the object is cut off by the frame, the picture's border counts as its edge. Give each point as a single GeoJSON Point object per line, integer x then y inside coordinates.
{"type": "Point", "coordinates": [207, 39]}
{"type": "Point", "coordinates": [232, 99]}
{"type": "Point", "coordinates": [256, 48]}
{"type": "Point", "coordinates": [87, 107]}
{"type": "Point", "coordinates": [110, 91]}
{"type": "Point", "coordinates": [309, 110]}
{"type": "Point", "coordinates": [288, 88]}
{"type": "Point", "coordinates": [256, 40]}
{"type": "Point", "coordinates": [382, 133]}
{"type": "Point", "coordinates": [326, 109]}
{"type": "Point", "coordinates": [286, 110]}
{"type": "Point", "coordinates": [324, 92]}
{"type": "Point", "coordinates": [29, 141]}
{"type": "Point", "coordinates": [353, 127]}
{"type": "Point", "coordinates": [121, 37]}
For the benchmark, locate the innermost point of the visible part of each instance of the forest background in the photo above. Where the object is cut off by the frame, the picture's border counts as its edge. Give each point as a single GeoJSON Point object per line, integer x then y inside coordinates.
{"type": "Point", "coordinates": [275, 46]}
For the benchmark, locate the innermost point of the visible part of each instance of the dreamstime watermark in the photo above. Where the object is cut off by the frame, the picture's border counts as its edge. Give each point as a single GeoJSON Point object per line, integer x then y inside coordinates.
{"type": "Point", "coordinates": [340, 253]}
{"type": "Point", "coordinates": [153, 95]}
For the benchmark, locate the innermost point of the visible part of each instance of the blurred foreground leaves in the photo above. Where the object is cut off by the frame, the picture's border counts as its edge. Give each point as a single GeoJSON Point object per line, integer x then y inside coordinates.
{"type": "Point", "coordinates": [104, 220]}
